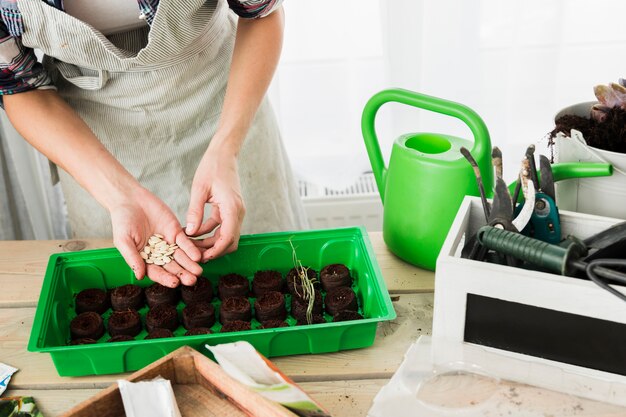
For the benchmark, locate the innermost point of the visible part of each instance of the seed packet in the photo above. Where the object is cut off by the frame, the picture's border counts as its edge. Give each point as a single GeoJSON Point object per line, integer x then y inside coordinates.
{"type": "Point", "coordinates": [6, 372]}
{"type": "Point", "coordinates": [241, 361]}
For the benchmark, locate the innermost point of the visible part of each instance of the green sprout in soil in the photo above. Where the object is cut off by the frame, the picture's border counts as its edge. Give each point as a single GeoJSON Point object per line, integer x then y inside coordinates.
{"type": "Point", "coordinates": [306, 283]}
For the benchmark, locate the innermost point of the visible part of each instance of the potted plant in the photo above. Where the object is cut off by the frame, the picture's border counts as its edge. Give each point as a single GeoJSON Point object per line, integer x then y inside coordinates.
{"type": "Point", "coordinates": [594, 132]}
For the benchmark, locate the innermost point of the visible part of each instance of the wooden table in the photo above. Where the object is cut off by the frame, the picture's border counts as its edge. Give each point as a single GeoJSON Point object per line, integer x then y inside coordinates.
{"type": "Point", "coordinates": [344, 382]}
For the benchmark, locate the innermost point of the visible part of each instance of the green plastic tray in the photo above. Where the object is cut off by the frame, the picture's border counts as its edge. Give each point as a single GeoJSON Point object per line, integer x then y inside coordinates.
{"type": "Point", "coordinates": [69, 273]}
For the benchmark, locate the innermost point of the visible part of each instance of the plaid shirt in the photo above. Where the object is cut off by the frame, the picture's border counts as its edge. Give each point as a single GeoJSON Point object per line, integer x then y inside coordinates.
{"type": "Point", "coordinates": [19, 69]}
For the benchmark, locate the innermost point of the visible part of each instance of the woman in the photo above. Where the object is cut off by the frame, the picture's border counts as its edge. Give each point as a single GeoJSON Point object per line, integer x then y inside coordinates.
{"type": "Point", "coordinates": [148, 124]}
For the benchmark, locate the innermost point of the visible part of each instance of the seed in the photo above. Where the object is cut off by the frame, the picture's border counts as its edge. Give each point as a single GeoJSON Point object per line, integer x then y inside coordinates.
{"type": "Point", "coordinates": [144, 255]}
{"type": "Point", "coordinates": [159, 262]}
{"type": "Point", "coordinates": [159, 236]}
{"type": "Point", "coordinates": [149, 261]}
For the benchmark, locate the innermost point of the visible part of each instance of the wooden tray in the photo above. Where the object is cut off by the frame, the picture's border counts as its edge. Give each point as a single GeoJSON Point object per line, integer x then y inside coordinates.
{"type": "Point", "coordinates": [201, 387]}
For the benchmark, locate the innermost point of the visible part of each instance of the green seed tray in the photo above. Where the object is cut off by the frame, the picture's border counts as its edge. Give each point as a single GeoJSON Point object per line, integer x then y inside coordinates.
{"type": "Point", "coordinates": [69, 273]}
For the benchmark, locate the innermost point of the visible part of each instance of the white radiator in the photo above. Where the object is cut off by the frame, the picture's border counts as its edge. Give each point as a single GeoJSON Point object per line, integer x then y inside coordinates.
{"type": "Point", "coordinates": [357, 205]}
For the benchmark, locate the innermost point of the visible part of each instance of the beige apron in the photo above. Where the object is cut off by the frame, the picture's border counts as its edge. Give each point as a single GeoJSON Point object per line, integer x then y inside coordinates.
{"type": "Point", "coordinates": [153, 97]}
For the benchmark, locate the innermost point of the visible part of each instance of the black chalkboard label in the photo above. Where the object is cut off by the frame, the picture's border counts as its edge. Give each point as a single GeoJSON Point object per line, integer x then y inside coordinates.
{"type": "Point", "coordinates": [545, 333]}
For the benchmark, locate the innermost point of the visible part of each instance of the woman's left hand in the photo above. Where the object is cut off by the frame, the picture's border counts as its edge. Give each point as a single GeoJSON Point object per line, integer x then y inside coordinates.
{"type": "Point", "coordinates": [216, 182]}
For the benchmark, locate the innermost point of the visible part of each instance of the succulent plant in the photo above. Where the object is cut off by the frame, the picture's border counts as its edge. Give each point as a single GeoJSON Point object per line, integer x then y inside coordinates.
{"type": "Point", "coordinates": [609, 96]}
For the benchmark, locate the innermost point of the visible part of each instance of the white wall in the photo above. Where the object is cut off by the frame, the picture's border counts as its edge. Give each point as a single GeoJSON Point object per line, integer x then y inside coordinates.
{"type": "Point", "coordinates": [515, 63]}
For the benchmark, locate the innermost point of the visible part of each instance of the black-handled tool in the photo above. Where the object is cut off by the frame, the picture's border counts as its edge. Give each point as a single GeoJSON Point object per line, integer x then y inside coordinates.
{"type": "Point", "coordinates": [561, 259]}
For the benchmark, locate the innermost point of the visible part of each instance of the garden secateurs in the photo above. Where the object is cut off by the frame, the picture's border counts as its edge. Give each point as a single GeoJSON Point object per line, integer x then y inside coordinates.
{"type": "Point", "coordinates": [544, 223]}
{"type": "Point", "coordinates": [501, 212]}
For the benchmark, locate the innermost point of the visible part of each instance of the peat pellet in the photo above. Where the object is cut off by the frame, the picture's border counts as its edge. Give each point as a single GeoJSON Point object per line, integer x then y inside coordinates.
{"type": "Point", "coordinates": [157, 294]}
{"type": "Point", "coordinates": [233, 285]}
{"type": "Point", "coordinates": [87, 325]}
{"type": "Point", "coordinates": [294, 282]}
{"type": "Point", "coordinates": [92, 299]}
{"type": "Point", "coordinates": [126, 322]}
{"type": "Point", "coordinates": [341, 298]}
{"type": "Point", "coordinates": [159, 334]}
{"type": "Point", "coordinates": [335, 275]}
{"type": "Point", "coordinates": [236, 326]}
{"type": "Point", "coordinates": [270, 306]}
{"type": "Point", "coordinates": [347, 315]}
{"type": "Point", "coordinates": [200, 314]}
{"type": "Point", "coordinates": [83, 341]}
{"type": "Point", "coordinates": [126, 297]}
{"type": "Point", "coordinates": [315, 319]}
{"type": "Point", "coordinates": [121, 338]}
{"type": "Point", "coordinates": [202, 290]}
{"type": "Point", "coordinates": [266, 281]}
{"type": "Point", "coordinates": [272, 324]}
{"type": "Point", "coordinates": [235, 308]}
{"type": "Point", "coordinates": [197, 331]}
{"type": "Point", "coordinates": [163, 316]}
{"type": "Point", "coordinates": [299, 306]}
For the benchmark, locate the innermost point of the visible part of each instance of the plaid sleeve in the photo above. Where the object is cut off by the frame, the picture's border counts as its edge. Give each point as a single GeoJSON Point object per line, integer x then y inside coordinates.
{"type": "Point", "coordinates": [19, 69]}
{"type": "Point", "coordinates": [253, 9]}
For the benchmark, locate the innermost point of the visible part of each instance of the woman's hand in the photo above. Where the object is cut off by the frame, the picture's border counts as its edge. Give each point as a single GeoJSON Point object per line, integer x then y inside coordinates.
{"type": "Point", "coordinates": [216, 182]}
{"type": "Point", "coordinates": [142, 216]}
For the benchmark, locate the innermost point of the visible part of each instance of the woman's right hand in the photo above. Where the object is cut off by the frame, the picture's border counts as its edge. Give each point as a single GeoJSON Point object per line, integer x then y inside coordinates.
{"type": "Point", "coordinates": [142, 216]}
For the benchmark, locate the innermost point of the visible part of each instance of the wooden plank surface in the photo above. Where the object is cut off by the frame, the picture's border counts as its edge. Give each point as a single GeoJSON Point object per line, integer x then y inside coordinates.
{"type": "Point", "coordinates": [379, 361]}
{"type": "Point", "coordinates": [340, 398]}
{"type": "Point", "coordinates": [23, 265]}
{"type": "Point", "coordinates": [354, 398]}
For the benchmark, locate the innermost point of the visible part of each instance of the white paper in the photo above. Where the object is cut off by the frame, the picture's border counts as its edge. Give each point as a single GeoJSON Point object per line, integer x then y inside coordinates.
{"type": "Point", "coordinates": [6, 372]}
{"type": "Point", "coordinates": [153, 398]}
{"type": "Point", "coordinates": [242, 362]}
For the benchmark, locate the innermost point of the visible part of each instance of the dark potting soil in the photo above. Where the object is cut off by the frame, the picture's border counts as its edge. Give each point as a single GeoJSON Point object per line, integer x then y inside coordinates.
{"type": "Point", "coordinates": [157, 294]}
{"type": "Point", "coordinates": [315, 319]}
{"type": "Point", "coordinates": [92, 299]}
{"type": "Point", "coordinates": [127, 297]}
{"type": "Point", "coordinates": [236, 326]}
{"type": "Point", "coordinates": [163, 316]}
{"type": "Point", "coordinates": [341, 298]}
{"type": "Point", "coordinates": [235, 308]}
{"type": "Point", "coordinates": [299, 306]}
{"type": "Point", "coordinates": [200, 314]}
{"type": "Point", "coordinates": [347, 315]}
{"type": "Point", "coordinates": [294, 282]}
{"type": "Point", "coordinates": [127, 322]}
{"type": "Point", "coordinates": [609, 135]}
{"type": "Point", "coordinates": [233, 285]}
{"type": "Point", "coordinates": [87, 325]}
{"type": "Point", "coordinates": [270, 306]}
{"type": "Point", "coordinates": [198, 330]}
{"type": "Point", "coordinates": [121, 338]}
{"type": "Point", "coordinates": [83, 341]}
{"type": "Point", "coordinates": [266, 281]}
{"type": "Point", "coordinates": [272, 324]}
{"type": "Point", "coordinates": [201, 291]}
{"type": "Point", "coordinates": [159, 334]}
{"type": "Point", "coordinates": [335, 275]}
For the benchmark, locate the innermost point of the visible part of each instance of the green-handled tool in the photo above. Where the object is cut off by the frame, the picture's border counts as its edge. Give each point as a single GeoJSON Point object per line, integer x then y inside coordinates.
{"type": "Point", "coordinates": [562, 259]}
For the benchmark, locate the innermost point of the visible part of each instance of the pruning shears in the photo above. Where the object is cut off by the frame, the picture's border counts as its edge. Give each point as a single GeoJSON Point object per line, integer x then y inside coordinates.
{"type": "Point", "coordinates": [544, 223]}
{"type": "Point", "coordinates": [501, 213]}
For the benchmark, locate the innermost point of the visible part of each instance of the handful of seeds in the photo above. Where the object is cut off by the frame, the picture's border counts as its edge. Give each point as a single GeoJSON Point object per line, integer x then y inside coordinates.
{"type": "Point", "coordinates": [158, 251]}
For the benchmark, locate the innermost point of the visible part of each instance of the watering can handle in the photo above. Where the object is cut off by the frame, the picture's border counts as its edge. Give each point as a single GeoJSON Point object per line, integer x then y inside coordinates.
{"type": "Point", "coordinates": [422, 101]}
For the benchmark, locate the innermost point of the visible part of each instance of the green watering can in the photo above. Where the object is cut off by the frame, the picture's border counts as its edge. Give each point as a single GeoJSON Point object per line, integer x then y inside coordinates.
{"type": "Point", "coordinates": [428, 177]}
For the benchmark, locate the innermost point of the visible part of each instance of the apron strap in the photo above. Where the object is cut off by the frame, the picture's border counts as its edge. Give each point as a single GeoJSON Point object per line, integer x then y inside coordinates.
{"type": "Point", "coordinates": [74, 75]}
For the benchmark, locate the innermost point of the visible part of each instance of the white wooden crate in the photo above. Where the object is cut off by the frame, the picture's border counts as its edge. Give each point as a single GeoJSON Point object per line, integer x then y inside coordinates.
{"type": "Point", "coordinates": [458, 280]}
